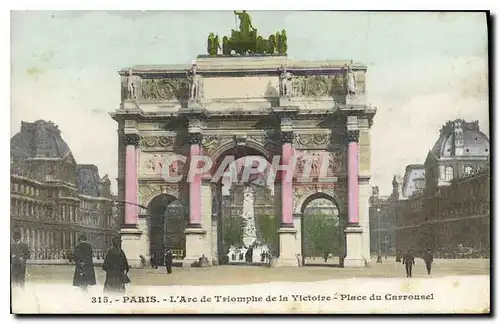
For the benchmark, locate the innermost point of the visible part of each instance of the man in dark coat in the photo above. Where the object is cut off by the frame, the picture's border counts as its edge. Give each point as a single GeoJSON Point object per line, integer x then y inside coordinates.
{"type": "Point", "coordinates": [408, 261]}
{"type": "Point", "coordinates": [116, 267]}
{"type": "Point", "coordinates": [84, 264]}
{"type": "Point", "coordinates": [428, 258]}
{"type": "Point", "coordinates": [169, 260]}
{"type": "Point", "coordinates": [19, 253]}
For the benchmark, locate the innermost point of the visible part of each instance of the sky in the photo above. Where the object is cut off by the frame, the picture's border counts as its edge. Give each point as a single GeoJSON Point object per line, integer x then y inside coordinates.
{"type": "Point", "coordinates": [423, 70]}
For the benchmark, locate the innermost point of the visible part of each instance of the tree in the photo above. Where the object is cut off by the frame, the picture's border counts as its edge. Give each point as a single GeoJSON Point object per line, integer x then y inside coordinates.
{"type": "Point", "coordinates": [232, 231]}
{"type": "Point", "coordinates": [322, 233]}
{"type": "Point", "coordinates": [267, 231]}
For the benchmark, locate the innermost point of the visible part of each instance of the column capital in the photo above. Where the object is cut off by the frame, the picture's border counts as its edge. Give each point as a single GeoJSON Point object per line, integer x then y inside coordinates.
{"type": "Point", "coordinates": [195, 138]}
{"type": "Point", "coordinates": [353, 135]}
{"type": "Point", "coordinates": [286, 137]}
{"type": "Point", "coordinates": [132, 139]}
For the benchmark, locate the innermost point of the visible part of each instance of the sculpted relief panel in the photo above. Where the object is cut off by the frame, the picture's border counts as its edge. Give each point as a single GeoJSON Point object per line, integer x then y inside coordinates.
{"type": "Point", "coordinates": [311, 162]}
{"type": "Point", "coordinates": [165, 89]}
{"type": "Point", "coordinates": [155, 164]}
{"type": "Point", "coordinates": [319, 86]}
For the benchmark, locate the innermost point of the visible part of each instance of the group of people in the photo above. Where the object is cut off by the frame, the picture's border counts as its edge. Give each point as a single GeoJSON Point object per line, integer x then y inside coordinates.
{"type": "Point", "coordinates": [409, 260]}
{"type": "Point", "coordinates": [115, 265]}
{"type": "Point", "coordinates": [168, 259]}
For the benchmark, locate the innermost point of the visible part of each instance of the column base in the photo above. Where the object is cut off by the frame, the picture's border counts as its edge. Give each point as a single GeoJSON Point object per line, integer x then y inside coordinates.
{"type": "Point", "coordinates": [132, 246]}
{"type": "Point", "coordinates": [288, 254]}
{"type": "Point", "coordinates": [354, 257]}
{"type": "Point", "coordinates": [195, 238]}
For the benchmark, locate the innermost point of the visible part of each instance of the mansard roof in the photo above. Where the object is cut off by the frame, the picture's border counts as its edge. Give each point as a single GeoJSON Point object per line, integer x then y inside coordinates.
{"type": "Point", "coordinates": [38, 140]}
{"type": "Point", "coordinates": [475, 142]}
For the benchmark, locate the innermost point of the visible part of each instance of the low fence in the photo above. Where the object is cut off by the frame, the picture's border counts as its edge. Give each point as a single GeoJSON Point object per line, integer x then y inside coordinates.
{"type": "Point", "coordinates": [48, 254]}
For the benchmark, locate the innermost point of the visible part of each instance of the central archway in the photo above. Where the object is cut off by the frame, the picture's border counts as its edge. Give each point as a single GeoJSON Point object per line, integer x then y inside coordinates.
{"type": "Point", "coordinates": [168, 219]}
{"type": "Point", "coordinates": [236, 228]}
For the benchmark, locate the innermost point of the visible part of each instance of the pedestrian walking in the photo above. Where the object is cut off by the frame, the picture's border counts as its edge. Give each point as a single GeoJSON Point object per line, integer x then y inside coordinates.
{"type": "Point", "coordinates": [84, 274]}
{"type": "Point", "coordinates": [169, 260]}
{"type": "Point", "coordinates": [19, 253]}
{"type": "Point", "coordinates": [408, 261]}
{"type": "Point", "coordinates": [428, 259]}
{"type": "Point", "coordinates": [116, 267]}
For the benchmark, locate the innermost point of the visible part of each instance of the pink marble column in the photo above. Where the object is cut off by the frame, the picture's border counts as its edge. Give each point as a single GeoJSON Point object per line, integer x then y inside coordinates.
{"type": "Point", "coordinates": [131, 209]}
{"type": "Point", "coordinates": [195, 186]}
{"type": "Point", "coordinates": [352, 178]}
{"type": "Point", "coordinates": [286, 182]}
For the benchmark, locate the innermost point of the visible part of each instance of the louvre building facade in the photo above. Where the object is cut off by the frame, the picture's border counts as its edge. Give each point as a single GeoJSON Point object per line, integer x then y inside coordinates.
{"type": "Point", "coordinates": [53, 199]}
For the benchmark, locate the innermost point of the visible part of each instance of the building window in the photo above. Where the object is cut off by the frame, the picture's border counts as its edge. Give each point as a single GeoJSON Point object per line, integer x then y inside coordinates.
{"type": "Point", "coordinates": [468, 169]}
{"type": "Point", "coordinates": [448, 173]}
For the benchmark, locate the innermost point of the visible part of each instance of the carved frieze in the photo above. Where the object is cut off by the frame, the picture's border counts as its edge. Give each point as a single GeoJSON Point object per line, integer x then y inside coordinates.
{"type": "Point", "coordinates": [319, 86]}
{"type": "Point", "coordinates": [312, 140]}
{"type": "Point", "coordinates": [158, 141]}
{"type": "Point", "coordinates": [165, 89]}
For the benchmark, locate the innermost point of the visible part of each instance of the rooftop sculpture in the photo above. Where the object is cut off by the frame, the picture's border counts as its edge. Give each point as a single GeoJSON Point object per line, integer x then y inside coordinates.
{"type": "Point", "coordinates": [246, 41]}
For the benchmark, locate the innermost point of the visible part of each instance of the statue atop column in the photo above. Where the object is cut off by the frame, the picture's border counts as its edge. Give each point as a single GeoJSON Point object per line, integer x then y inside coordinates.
{"type": "Point", "coordinates": [194, 84]}
{"type": "Point", "coordinates": [285, 83]}
{"type": "Point", "coordinates": [350, 80]}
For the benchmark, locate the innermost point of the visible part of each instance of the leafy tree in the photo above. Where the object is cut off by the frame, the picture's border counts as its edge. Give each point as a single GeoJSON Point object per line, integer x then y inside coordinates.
{"type": "Point", "coordinates": [232, 231]}
{"type": "Point", "coordinates": [267, 231]}
{"type": "Point", "coordinates": [321, 233]}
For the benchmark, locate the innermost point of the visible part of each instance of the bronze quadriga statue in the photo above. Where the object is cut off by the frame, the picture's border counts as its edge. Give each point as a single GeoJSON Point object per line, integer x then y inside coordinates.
{"type": "Point", "coordinates": [246, 40]}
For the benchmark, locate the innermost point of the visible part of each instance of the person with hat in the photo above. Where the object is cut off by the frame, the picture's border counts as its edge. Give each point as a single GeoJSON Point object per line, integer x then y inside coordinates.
{"type": "Point", "coordinates": [169, 260]}
{"type": "Point", "coordinates": [116, 267]}
{"type": "Point", "coordinates": [84, 275]}
{"type": "Point", "coordinates": [19, 253]}
{"type": "Point", "coordinates": [428, 258]}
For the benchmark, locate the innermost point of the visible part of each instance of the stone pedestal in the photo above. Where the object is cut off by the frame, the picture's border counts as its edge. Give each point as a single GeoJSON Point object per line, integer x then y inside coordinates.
{"type": "Point", "coordinates": [133, 246]}
{"type": "Point", "coordinates": [195, 241]}
{"type": "Point", "coordinates": [288, 253]}
{"type": "Point", "coordinates": [354, 257]}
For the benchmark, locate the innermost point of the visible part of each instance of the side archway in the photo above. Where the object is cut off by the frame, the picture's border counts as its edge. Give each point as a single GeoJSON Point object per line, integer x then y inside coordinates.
{"type": "Point", "coordinates": [168, 216]}
{"type": "Point", "coordinates": [322, 223]}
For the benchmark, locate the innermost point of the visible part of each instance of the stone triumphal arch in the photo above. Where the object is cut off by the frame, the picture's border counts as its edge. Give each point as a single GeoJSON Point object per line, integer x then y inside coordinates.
{"type": "Point", "coordinates": [265, 105]}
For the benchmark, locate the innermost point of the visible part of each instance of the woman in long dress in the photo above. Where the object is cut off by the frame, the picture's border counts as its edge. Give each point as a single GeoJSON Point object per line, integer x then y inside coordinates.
{"type": "Point", "coordinates": [116, 267]}
{"type": "Point", "coordinates": [84, 275]}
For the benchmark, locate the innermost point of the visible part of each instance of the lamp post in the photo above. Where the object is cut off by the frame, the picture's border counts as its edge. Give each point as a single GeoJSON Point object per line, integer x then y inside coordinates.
{"type": "Point", "coordinates": [379, 252]}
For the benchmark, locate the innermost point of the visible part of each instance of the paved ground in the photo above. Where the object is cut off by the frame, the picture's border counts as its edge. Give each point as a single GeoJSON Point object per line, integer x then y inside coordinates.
{"type": "Point", "coordinates": [240, 274]}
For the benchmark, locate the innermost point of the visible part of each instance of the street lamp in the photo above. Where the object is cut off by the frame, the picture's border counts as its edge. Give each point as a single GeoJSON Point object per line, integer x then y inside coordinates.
{"type": "Point", "coordinates": [379, 252]}
{"type": "Point", "coordinates": [130, 203]}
